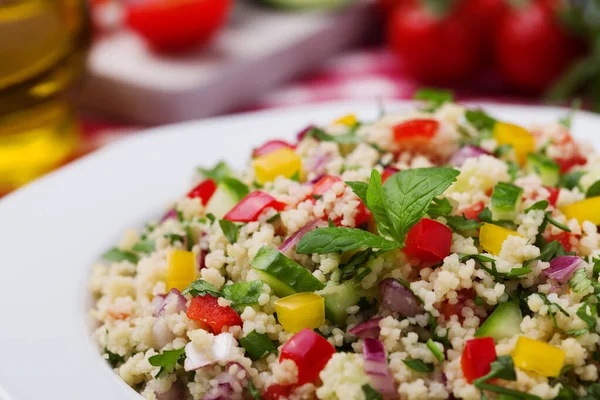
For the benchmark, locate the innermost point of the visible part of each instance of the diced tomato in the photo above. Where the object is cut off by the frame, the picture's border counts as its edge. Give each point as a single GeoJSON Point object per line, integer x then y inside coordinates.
{"type": "Point", "coordinates": [473, 211]}
{"type": "Point", "coordinates": [277, 392]}
{"type": "Point", "coordinates": [476, 358]}
{"type": "Point", "coordinates": [203, 191]}
{"type": "Point", "coordinates": [310, 351]}
{"type": "Point", "coordinates": [206, 309]}
{"type": "Point", "coordinates": [387, 172]}
{"type": "Point", "coordinates": [567, 163]}
{"type": "Point", "coordinates": [448, 310]}
{"type": "Point", "coordinates": [429, 241]}
{"type": "Point", "coordinates": [269, 147]}
{"type": "Point", "coordinates": [324, 184]}
{"type": "Point", "coordinates": [416, 129]}
{"type": "Point", "coordinates": [250, 207]}
{"type": "Point", "coordinates": [552, 199]}
{"type": "Point", "coordinates": [563, 238]}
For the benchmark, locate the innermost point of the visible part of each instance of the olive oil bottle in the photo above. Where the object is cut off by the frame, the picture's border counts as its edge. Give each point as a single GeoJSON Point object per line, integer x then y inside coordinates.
{"type": "Point", "coordinates": [42, 53]}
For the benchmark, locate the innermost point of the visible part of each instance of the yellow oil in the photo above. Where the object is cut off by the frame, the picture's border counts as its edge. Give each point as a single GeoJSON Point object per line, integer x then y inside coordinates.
{"type": "Point", "coordinates": [42, 53]}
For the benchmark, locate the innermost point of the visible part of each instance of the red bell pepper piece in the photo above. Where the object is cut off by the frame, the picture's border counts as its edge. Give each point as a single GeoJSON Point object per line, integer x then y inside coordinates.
{"type": "Point", "coordinates": [476, 358]}
{"type": "Point", "coordinates": [206, 309]}
{"type": "Point", "coordinates": [566, 164]}
{"type": "Point", "coordinates": [250, 207]}
{"type": "Point", "coordinates": [448, 310]}
{"type": "Point", "coordinates": [553, 198]}
{"type": "Point", "coordinates": [270, 147]}
{"type": "Point", "coordinates": [310, 351]}
{"type": "Point", "coordinates": [324, 184]}
{"type": "Point", "coordinates": [416, 129]}
{"type": "Point", "coordinates": [387, 172]}
{"type": "Point", "coordinates": [473, 211]}
{"type": "Point", "coordinates": [563, 238]}
{"type": "Point", "coordinates": [428, 241]}
{"type": "Point", "coordinates": [277, 392]}
{"type": "Point", "coordinates": [203, 191]}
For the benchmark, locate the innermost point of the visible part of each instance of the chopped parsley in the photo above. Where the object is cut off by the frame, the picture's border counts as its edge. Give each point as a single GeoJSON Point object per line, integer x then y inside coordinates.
{"type": "Point", "coordinates": [257, 345]}
{"type": "Point", "coordinates": [580, 282]}
{"type": "Point", "coordinates": [433, 98]}
{"type": "Point", "coordinates": [553, 308]}
{"type": "Point", "coordinates": [167, 361]}
{"type": "Point", "coordinates": [118, 255]}
{"type": "Point", "coordinates": [218, 173]}
{"type": "Point", "coordinates": [114, 359]}
{"type": "Point", "coordinates": [201, 288]}
{"type": "Point", "coordinates": [502, 368]}
{"type": "Point", "coordinates": [230, 230]}
{"type": "Point", "coordinates": [145, 246]}
{"type": "Point", "coordinates": [419, 366]}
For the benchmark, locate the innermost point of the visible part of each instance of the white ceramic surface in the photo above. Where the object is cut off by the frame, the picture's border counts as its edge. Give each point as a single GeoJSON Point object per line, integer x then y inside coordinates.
{"type": "Point", "coordinates": [54, 229]}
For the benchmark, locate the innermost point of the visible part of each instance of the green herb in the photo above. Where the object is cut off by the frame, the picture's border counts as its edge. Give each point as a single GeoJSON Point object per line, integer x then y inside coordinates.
{"type": "Point", "coordinates": [461, 223]}
{"type": "Point", "coordinates": [239, 188]}
{"type": "Point", "coordinates": [366, 271]}
{"type": "Point", "coordinates": [218, 173]}
{"type": "Point", "coordinates": [370, 393]}
{"type": "Point", "coordinates": [548, 252]}
{"type": "Point", "coordinates": [317, 196]}
{"type": "Point", "coordinates": [551, 309]}
{"type": "Point", "coordinates": [588, 313]}
{"type": "Point", "coordinates": [518, 272]}
{"type": "Point", "coordinates": [118, 255]}
{"type": "Point", "coordinates": [257, 345]}
{"type": "Point", "coordinates": [243, 293]}
{"type": "Point", "coordinates": [360, 189]}
{"type": "Point", "coordinates": [596, 268]}
{"type": "Point", "coordinates": [439, 208]}
{"type": "Point", "coordinates": [174, 238]}
{"type": "Point", "coordinates": [478, 300]}
{"type": "Point", "coordinates": [540, 205]}
{"type": "Point", "coordinates": [211, 218]}
{"type": "Point", "coordinates": [296, 176]}
{"type": "Point", "coordinates": [189, 237]}
{"type": "Point", "coordinates": [419, 365]}
{"type": "Point", "coordinates": [503, 150]}
{"type": "Point", "coordinates": [434, 98]}
{"type": "Point", "coordinates": [114, 359]}
{"type": "Point", "coordinates": [376, 203]}
{"type": "Point", "coordinates": [439, 354]}
{"type": "Point", "coordinates": [513, 170]}
{"type": "Point", "coordinates": [330, 240]}
{"type": "Point", "coordinates": [571, 179]}
{"type": "Point", "coordinates": [274, 218]}
{"type": "Point", "coordinates": [556, 223]}
{"type": "Point", "coordinates": [593, 190]}
{"type": "Point", "coordinates": [502, 368]}
{"type": "Point", "coordinates": [480, 120]}
{"type": "Point", "coordinates": [167, 361]}
{"type": "Point", "coordinates": [230, 230]}
{"type": "Point", "coordinates": [567, 120]}
{"type": "Point", "coordinates": [580, 282]}
{"type": "Point", "coordinates": [201, 288]}
{"type": "Point", "coordinates": [180, 215]}
{"type": "Point", "coordinates": [253, 390]}
{"type": "Point", "coordinates": [364, 304]}
{"type": "Point", "coordinates": [322, 136]}
{"type": "Point", "coordinates": [354, 263]}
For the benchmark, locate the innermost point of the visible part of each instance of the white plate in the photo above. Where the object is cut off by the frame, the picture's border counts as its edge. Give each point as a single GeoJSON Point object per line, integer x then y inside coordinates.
{"type": "Point", "coordinates": [54, 229]}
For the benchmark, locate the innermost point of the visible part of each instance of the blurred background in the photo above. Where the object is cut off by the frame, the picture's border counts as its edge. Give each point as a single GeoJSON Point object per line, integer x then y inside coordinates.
{"type": "Point", "coordinates": [76, 74]}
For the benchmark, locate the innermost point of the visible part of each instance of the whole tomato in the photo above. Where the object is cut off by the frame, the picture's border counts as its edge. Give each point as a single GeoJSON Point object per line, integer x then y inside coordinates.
{"type": "Point", "coordinates": [531, 47]}
{"type": "Point", "coordinates": [176, 25]}
{"type": "Point", "coordinates": [434, 48]}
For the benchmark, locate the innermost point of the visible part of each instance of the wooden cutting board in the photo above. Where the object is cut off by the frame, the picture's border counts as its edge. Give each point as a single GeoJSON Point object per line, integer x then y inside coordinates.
{"type": "Point", "coordinates": [259, 49]}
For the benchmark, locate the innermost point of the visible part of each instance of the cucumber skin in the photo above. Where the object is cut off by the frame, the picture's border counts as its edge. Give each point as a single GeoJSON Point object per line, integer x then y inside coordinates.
{"type": "Point", "coordinates": [505, 212]}
{"type": "Point", "coordinates": [285, 271]}
{"type": "Point", "coordinates": [337, 299]}
{"type": "Point", "coordinates": [545, 168]}
{"type": "Point", "coordinates": [504, 322]}
{"type": "Point", "coordinates": [222, 201]}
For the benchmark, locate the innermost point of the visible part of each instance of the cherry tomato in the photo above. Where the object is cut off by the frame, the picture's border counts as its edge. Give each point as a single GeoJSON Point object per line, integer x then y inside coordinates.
{"type": "Point", "coordinates": [532, 49]}
{"type": "Point", "coordinates": [310, 351]}
{"type": "Point", "coordinates": [477, 357]}
{"type": "Point", "coordinates": [566, 164]}
{"type": "Point", "coordinates": [206, 309]}
{"type": "Point", "coordinates": [270, 147]}
{"type": "Point", "coordinates": [484, 14]}
{"type": "Point", "coordinates": [176, 25]}
{"type": "Point", "coordinates": [203, 191]}
{"type": "Point", "coordinates": [431, 48]}
{"type": "Point", "coordinates": [429, 241]}
{"type": "Point", "coordinates": [473, 211]}
{"type": "Point", "coordinates": [553, 197]}
{"type": "Point", "coordinates": [250, 207]}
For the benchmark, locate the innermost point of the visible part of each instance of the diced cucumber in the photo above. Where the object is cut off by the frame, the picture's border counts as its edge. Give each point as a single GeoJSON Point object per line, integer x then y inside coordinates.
{"type": "Point", "coordinates": [224, 199]}
{"type": "Point", "coordinates": [504, 322]}
{"type": "Point", "coordinates": [506, 200]}
{"type": "Point", "coordinates": [545, 168]}
{"type": "Point", "coordinates": [306, 4]}
{"type": "Point", "coordinates": [337, 299]}
{"type": "Point", "coordinates": [285, 276]}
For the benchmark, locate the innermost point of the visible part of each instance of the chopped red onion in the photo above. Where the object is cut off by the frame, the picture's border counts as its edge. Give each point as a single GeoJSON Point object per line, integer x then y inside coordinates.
{"type": "Point", "coordinates": [466, 152]}
{"type": "Point", "coordinates": [317, 163]}
{"type": "Point", "coordinates": [222, 350]}
{"type": "Point", "coordinates": [292, 240]}
{"type": "Point", "coordinates": [233, 380]}
{"type": "Point", "coordinates": [202, 253]}
{"type": "Point", "coordinates": [171, 214]}
{"type": "Point", "coordinates": [176, 392]}
{"type": "Point", "coordinates": [377, 369]}
{"type": "Point", "coordinates": [157, 302]}
{"type": "Point", "coordinates": [317, 179]}
{"type": "Point", "coordinates": [369, 329]}
{"type": "Point", "coordinates": [161, 333]}
{"type": "Point", "coordinates": [174, 297]}
{"type": "Point", "coordinates": [400, 299]}
{"type": "Point", "coordinates": [194, 359]}
{"type": "Point", "coordinates": [562, 268]}
{"type": "Point", "coordinates": [300, 135]}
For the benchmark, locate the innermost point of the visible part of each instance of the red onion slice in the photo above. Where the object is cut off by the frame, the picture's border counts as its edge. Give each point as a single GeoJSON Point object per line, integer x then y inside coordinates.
{"type": "Point", "coordinates": [466, 152]}
{"type": "Point", "coordinates": [300, 135]}
{"type": "Point", "coordinates": [157, 302]}
{"type": "Point", "coordinates": [233, 380]}
{"type": "Point", "coordinates": [562, 268]}
{"type": "Point", "coordinates": [194, 359]}
{"type": "Point", "coordinates": [377, 369]}
{"type": "Point", "coordinates": [295, 238]}
{"type": "Point", "coordinates": [173, 297]}
{"type": "Point", "coordinates": [171, 214]}
{"type": "Point", "coordinates": [369, 329]}
{"type": "Point", "coordinates": [400, 299]}
{"type": "Point", "coordinates": [317, 163]}
{"type": "Point", "coordinates": [161, 333]}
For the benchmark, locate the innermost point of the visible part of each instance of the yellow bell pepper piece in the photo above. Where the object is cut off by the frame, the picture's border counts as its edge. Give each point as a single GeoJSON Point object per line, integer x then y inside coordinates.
{"type": "Point", "coordinates": [537, 356]}
{"type": "Point", "coordinates": [181, 269]}
{"type": "Point", "coordinates": [584, 210]}
{"type": "Point", "coordinates": [284, 162]}
{"type": "Point", "coordinates": [492, 236]}
{"type": "Point", "coordinates": [518, 137]}
{"type": "Point", "coordinates": [348, 120]}
{"type": "Point", "coordinates": [301, 310]}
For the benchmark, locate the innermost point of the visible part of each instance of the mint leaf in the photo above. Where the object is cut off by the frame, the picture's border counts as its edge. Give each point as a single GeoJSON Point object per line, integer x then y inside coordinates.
{"type": "Point", "coordinates": [370, 393]}
{"type": "Point", "coordinates": [439, 208]}
{"type": "Point", "coordinates": [217, 173]}
{"type": "Point", "coordinates": [419, 366]}
{"type": "Point", "coordinates": [230, 230]}
{"type": "Point", "coordinates": [114, 359]}
{"type": "Point", "coordinates": [118, 255]}
{"type": "Point", "coordinates": [460, 223]}
{"type": "Point", "coordinates": [480, 120]}
{"type": "Point", "coordinates": [145, 246]}
{"type": "Point", "coordinates": [409, 193]}
{"type": "Point", "coordinates": [243, 293]}
{"type": "Point", "coordinates": [257, 345]}
{"type": "Point", "coordinates": [435, 98]}
{"type": "Point", "coordinates": [253, 390]}
{"type": "Point", "coordinates": [240, 189]}
{"type": "Point", "coordinates": [593, 190]}
{"type": "Point", "coordinates": [322, 136]}
{"type": "Point", "coordinates": [375, 202]}
{"type": "Point", "coordinates": [540, 205]}
{"type": "Point", "coordinates": [167, 361]}
{"type": "Point", "coordinates": [588, 317]}
{"type": "Point", "coordinates": [201, 288]}
{"type": "Point", "coordinates": [360, 189]}
{"type": "Point", "coordinates": [331, 240]}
